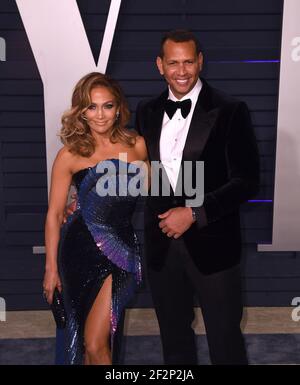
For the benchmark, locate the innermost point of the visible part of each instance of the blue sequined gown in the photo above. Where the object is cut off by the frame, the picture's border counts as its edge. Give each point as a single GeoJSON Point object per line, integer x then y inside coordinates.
{"type": "Point", "coordinates": [97, 240]}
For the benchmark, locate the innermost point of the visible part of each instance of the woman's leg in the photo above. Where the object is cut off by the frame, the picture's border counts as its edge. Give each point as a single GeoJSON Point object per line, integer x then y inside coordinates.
{"type": "Point", "coordinates": [97, 327]}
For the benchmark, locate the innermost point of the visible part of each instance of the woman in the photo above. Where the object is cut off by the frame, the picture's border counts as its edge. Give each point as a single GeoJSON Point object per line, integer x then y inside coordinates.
{"type": "Point", "coordinates": [95, 260]}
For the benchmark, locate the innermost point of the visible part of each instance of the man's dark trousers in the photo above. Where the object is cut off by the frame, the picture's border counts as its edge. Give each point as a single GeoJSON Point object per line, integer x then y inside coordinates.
{"type": "Point", "coordinates": [219, 296]}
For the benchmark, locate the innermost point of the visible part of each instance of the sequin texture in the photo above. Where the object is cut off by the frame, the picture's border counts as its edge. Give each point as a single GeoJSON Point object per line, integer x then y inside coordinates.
{"type": "Point", "coordinates": [97, 240]}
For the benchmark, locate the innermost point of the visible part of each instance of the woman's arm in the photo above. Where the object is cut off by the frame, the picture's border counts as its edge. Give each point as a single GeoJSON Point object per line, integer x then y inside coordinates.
{"type": "Point", "coordinates": [141, 149]}
{"type": "Point", "coordinates": [60, 183]}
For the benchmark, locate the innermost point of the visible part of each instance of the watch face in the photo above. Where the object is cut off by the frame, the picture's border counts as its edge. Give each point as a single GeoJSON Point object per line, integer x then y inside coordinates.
{"type": "Point", "coordinates": [194, 215]}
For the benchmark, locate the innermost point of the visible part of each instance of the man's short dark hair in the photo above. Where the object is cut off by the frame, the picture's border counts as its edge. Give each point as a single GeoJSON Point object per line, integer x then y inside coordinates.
{"type": "Point", "coordinates": [179, 36]}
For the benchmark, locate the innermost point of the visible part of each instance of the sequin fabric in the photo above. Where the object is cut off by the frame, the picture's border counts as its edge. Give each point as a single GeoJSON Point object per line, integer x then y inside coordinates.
{"type": "Point", "coordinates": [97, 240]}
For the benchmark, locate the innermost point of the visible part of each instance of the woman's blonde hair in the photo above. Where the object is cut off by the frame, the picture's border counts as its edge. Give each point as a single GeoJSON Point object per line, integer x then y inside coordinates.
{"type": "Point", "coordinates": [75, 132]}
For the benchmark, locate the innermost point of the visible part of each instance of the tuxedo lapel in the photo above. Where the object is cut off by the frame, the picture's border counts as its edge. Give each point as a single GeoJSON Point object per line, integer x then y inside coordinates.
{"type": "Point", "coordinates": [203, 120]}
{"type": "Point", "coordinates": [155, 126]}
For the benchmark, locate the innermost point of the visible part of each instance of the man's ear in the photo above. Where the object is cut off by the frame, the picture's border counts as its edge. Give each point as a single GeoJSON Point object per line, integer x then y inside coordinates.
{"type": "Point", "coordinates": [200, 60]}
{"type": "Point", "coordinates": [159, 65]}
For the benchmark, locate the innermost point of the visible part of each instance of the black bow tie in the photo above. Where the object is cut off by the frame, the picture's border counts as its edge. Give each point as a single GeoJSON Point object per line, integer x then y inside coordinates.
{"type": "Point", "coordinates": [171, 107]}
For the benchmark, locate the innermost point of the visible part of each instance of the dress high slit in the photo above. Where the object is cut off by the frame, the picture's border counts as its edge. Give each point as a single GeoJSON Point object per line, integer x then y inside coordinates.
{"type": "Point", "coordinates": [97, 240]}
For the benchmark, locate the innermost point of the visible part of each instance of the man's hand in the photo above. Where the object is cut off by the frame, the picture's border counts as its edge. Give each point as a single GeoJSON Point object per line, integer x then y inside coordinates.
{"type": "Point", "coordinates": [71, 208]}
{"type": "Point", "coordinates": [176, 221]}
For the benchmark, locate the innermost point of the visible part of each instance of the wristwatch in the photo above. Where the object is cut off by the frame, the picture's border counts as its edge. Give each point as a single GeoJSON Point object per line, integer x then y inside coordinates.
{"type": "Point", "coordinates": [194, 216]}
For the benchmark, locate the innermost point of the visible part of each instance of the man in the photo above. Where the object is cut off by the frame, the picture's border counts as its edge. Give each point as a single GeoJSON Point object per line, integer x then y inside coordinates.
{"type": "Point", "coordinates": [197, 250]}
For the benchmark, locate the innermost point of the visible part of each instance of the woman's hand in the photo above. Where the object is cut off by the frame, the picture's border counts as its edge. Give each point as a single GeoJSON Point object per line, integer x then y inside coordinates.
{"type": "Point", "coordinates": [69, 210]}
{"type": "Point", "coordinates": [51, 281]}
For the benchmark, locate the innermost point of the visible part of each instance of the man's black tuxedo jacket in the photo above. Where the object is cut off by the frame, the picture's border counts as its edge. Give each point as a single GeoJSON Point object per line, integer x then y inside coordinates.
{"type": "Point", "coordinates": [222, 136]}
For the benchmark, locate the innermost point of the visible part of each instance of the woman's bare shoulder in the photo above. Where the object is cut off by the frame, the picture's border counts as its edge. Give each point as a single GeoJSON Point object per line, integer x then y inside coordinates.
{"type": "Point", "coordinates": [140, 147]}
{"type": "Point", "coordinates": [65, 158]}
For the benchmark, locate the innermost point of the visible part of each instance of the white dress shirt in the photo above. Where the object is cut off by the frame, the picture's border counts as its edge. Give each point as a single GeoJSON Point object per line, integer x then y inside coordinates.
{"type": "Point", "coordinates": [174, 133]}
